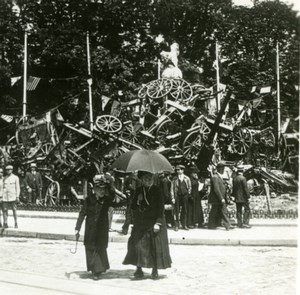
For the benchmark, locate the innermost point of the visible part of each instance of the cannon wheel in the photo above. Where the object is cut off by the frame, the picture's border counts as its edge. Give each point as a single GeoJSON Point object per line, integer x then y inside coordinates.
{"type": "Point", "coordinates": [268, 140]}
{"type": "Point", "coordinates": [242, 141]}
{"type": "Point", "coordinates": [131, 132]}
{"type": "Point", "coordinates": [159, 88]}
{"type": "Point", "coordinates": [46, 148]}
{"type": "Point", "coordinates": [52, 194]}
{"type": "Point", "coordinates": [181, 90]}
{"type": "Point", "coordinates": [192, 145]}
{"type": "Point", "coordinates": [168, 127]}
{"type": "Point", "coordinates": [204, 130]}
{"type": "Point", "coordinates": [108, 123]}
{"type": "Point", "coordinates": [143, 91]}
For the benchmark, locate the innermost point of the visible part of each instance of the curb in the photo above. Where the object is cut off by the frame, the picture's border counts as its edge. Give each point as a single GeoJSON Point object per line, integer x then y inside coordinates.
{"type": "Point", "coordinates": [173, 241]}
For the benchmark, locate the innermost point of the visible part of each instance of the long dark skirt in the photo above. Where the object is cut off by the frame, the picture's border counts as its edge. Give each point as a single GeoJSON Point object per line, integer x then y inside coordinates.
{"type": "Point", "coordinates": [148, 249]}
{"type": "Point", "coordinates": [96, 260]}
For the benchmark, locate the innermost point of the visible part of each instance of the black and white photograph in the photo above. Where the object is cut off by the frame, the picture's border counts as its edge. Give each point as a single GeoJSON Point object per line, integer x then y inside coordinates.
{"type": "Point", "coordinates": [149, 147]}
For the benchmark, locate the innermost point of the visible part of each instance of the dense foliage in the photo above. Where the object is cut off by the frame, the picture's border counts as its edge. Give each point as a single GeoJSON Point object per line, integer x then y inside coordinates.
{"type": "Point", "coordinates": [124, 50]}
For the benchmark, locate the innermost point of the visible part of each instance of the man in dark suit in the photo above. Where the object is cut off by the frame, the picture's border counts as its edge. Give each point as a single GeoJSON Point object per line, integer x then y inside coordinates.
{"type": "Point", "coordinates": [216, 198]}
{"type": "Point", "coordinates": [180, 192]}
{"type": "Point", "coordinates": [33, 184]}
{"type": "Point", "coordinates": [241, 195]}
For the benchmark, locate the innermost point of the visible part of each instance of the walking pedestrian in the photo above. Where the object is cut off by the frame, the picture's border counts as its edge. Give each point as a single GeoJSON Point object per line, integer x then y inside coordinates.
{"type": "Point", "coordinates": [11, 194]}
{"type": "Point", "coordinates": [181, 192]}
{"type": "Point", "coordinates": [241, 195]}
{"type": "Point", "coordinates": [216, 198]}
{"type": "Point", "coordinates": [148, 243]}
{"type": "Point", "coordinates": [95, 210]}
{"type": "Point", "coordinates": [34, 184]}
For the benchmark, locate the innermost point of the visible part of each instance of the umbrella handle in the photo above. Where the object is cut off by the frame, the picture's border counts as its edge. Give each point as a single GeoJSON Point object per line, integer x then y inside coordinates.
{"type": "Point", "coordinates": [77, 238]}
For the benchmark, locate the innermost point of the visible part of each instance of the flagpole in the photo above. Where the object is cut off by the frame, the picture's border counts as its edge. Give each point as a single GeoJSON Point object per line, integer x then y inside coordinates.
{"type": "Point", "coordinates": [278, 97]}
{"type": "Point", "coordinates": [25, 77]}
{"type": "Point", "coordinates": [90, 80]}
{"type": "Point", "coordinates": [218, 76]}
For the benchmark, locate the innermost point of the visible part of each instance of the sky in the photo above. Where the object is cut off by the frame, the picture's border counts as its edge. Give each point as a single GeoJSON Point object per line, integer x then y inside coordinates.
{"type": "Point", "coordinates": [250, 3]}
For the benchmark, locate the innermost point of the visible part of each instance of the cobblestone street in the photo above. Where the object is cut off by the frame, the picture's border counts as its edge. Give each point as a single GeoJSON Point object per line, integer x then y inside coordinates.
{"type": "Point", "coordinates": [195, 269]}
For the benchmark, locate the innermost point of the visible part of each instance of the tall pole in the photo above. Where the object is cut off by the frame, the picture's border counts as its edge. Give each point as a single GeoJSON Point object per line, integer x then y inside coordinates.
{"type": "Point", "coordinates": [25, 77]}
{"type": "Point", "coordinates": [278, 96]}
{"type": "Point", "coordinates": [158, 69]}
{"type": "Point", "coordinates": [218, 77]}
{"type": "Point", "coordinates": [90, 81]}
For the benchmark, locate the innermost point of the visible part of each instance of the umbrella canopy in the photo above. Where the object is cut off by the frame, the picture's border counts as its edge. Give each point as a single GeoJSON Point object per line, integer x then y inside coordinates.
{"type": "Point", "coordinates": [142, 160]}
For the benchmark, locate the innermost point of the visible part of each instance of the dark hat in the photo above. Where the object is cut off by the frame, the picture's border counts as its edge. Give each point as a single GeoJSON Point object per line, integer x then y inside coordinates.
{"type": "Point", "coordinates": [99, 180]}
{"type": "Point", "coordinates": [179, 167]}
{"type": "Point", "coordinates": [240, 168]}
{"type": "Point", "coordinates": [221, 164]}
{"type": "Point", "coordinates": [194, 169]}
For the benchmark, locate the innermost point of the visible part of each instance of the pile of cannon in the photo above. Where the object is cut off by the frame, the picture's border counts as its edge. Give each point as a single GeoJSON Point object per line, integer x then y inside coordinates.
{"type": "Point", "coordinates": [170, 116]}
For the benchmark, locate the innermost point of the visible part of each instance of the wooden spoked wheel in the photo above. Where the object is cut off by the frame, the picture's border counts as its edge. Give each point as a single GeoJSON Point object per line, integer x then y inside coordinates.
{"type": "Point", "coordinates": [159, 88]}
{"type": "Point", "coordinates": [46, 148]}
{"type": "Point", "coordinates": [242, 141]}
{"type": "Point", "coordinates": [108, 123]}
{"type": "Point", "coordinates": [130, 132]}
{"type": "Point", "coordinates": [168, 127]}
{"type": "Point", "coordinates": [181, 90]}
{"type": "Point", "coordinates": [204, 130]}
{"type": "Point", "coordinates": [51, 197]}
{"type": "Point", "coordinates": [143, 91]}
{"type": "Point", "coordinates": [192, 145]}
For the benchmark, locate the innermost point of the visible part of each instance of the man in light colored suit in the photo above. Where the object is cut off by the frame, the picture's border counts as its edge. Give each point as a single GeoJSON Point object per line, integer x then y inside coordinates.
{"type": "Point", "coordinates": [216, 198]}
{"type": "Point", "coordinates": [11, 193]}
{"type": "Point", "coordinates": [180, 192]}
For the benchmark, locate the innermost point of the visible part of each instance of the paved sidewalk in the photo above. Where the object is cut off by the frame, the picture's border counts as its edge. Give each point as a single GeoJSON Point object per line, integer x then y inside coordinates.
{"type": "Point", "coordinates": [60, 225]}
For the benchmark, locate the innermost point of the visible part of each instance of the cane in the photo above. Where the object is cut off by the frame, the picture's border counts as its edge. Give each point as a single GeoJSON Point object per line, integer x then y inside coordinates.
{"type": "Point", "coordinates": [77, 238]}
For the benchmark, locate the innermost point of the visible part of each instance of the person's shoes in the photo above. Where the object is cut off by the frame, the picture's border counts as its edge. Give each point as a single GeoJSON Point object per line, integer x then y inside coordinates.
{"type": "Point", "coordinates": [139, 274]}
{"type": "Point", "coordinates": [247, 226]}
{"type": "Point", "coordinates": [191, 226]}
{"type": "Point", "coordinates": [5, 225]}
{"type": "Point", "coordinates": [211, 227]}
{"type": "Point", "coordinates": [201, 226]}
{"type": "Point", "coordinates": [154, 275]}
{"type": "Point", "coordinates": [169, 225]}
{"type": "Point", "coordinates": [176, 228]}
{"type": "Point", "coordinates": [96, 276]}
{"type": "Point", "coordinates": [185, 228]}
{"type": "Point", "coordinates": [16, 225]}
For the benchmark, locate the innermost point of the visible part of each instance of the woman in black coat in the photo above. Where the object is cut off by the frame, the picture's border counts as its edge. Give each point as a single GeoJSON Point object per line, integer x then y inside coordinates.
{"type": "Point", "coordinates": [148, 244]}
{"type": "Point", "coordinates": [95, 210]}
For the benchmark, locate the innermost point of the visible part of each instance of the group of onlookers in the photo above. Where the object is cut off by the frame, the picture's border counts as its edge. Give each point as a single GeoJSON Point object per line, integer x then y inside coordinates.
{"type": "Point", "coordinates": [26, 186]}
{"type": "Point", "coordinates": [183, 194]}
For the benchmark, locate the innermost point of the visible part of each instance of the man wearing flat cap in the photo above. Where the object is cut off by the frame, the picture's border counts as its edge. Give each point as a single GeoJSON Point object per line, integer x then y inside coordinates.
{"type": "Point", "coordinates": [11, 194]}
{"type": "Point", "coordinates": [33, 184]}
{"type": "Point", "coordinates": [216, 198]}
{"type": "Point", "coordinates": [181, 189]}
{"type": "Point", "coordinates": [241, 195]}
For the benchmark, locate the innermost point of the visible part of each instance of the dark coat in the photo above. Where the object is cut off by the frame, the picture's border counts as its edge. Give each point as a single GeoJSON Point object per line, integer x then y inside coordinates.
{"type": "Point", "coordinates": [145, 216]}
{"type": "Point", "coordinates": [240, 189]}
{"type": "Point", "coordinates": [34, 181]}
{"type": "Point", "coordinates": [217, 190]}
{"type": "Point", "coordinates": [96, 224]}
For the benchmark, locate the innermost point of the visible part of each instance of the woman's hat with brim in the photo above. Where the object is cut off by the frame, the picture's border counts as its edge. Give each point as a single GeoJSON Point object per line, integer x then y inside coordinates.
{"type": "Point", "coordinates": [9, 167]}
{"type": "Point", "coordinates": [194, 169]}
{"type": "Point", "coordinates": [99, 180]}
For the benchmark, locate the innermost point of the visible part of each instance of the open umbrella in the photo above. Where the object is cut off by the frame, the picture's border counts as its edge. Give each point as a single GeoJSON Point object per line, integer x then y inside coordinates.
{"type": "Point", "coordinates": [142, 160]}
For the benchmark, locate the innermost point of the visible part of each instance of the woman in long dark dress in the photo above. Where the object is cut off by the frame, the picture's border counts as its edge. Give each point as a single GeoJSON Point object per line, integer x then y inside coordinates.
{"type": "Point", "coordinates": [95, 209]}
{"type": "Point", "coordinates": [148, 244]}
